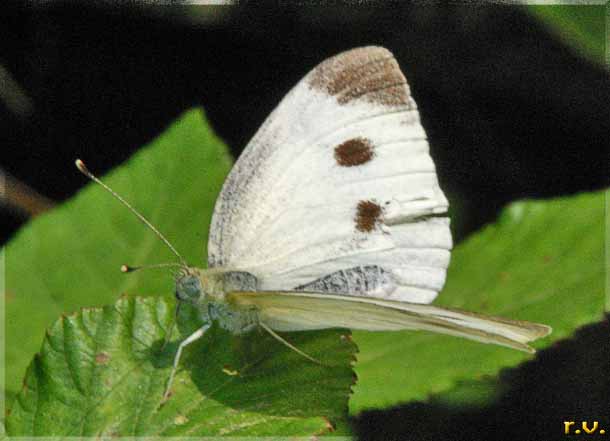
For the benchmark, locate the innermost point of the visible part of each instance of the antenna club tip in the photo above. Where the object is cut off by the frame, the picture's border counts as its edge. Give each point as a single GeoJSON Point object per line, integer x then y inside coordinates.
{"type": "Point", "coordinates": [80, 165]}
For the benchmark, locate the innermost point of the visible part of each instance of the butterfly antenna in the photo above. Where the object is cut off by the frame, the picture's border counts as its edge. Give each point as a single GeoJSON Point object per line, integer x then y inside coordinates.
{"type": "Point", "coordinates": [80, 165]}
{"type": "Point", "coordinates": [131, 269]}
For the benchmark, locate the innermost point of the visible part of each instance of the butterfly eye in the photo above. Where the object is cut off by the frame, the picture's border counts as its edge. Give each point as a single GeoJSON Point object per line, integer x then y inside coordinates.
{"type": "Point", "coordinates": [188, 288]}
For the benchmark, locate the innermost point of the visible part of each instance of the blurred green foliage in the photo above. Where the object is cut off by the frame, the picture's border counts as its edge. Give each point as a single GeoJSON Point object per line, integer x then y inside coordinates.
{"type": "Point", "coordinates": [581, 26]}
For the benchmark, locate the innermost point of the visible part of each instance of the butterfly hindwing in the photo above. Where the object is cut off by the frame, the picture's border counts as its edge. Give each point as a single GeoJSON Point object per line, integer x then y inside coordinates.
{"type": "Point", "coordinates": [296, 311]}
{"type": "Point", "coordinates": [338, 181]}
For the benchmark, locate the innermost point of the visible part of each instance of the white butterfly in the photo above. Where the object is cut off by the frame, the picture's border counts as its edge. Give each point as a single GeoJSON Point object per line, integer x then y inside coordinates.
{"type": "Point", "coordinates": [330, 218]}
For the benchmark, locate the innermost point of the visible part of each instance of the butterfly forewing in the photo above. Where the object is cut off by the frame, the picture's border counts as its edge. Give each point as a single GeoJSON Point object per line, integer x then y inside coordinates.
{"type": "Point", "coordinates": [337, 191]}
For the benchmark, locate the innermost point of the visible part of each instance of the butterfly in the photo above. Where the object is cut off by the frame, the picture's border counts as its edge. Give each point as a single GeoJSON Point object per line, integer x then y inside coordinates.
{"type": "Point", "coordinates": [333, 217]}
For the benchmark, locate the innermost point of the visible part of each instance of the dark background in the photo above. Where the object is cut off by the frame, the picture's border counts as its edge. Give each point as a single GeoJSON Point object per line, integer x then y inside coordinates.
{"type": "Point", "coordinates": [511, 111]}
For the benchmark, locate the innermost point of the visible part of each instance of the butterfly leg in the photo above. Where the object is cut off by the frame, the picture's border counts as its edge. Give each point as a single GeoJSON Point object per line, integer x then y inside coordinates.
{"type": "Point", "coordinates": [294, 348]}
{"type": "Point", "coordinates": [187, 341]}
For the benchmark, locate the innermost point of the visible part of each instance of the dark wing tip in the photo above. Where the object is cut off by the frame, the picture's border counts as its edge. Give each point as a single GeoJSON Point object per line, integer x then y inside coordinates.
{"type": "Point", "coordinates": [369, 73]}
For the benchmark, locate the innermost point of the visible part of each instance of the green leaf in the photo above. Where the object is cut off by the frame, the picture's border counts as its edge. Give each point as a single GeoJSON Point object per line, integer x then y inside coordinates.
{"type": "Point", "coordinates": [541, 261]}
{"type": "Point", "coordinates": [101, 372]}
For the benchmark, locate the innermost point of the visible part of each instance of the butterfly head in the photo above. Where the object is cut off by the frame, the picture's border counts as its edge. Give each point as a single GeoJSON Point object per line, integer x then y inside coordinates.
{"type": "Point", "coordinates": [188, 287]}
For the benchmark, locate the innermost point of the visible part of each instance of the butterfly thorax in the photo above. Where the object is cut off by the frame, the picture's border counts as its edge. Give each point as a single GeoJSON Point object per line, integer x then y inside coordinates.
{"type": "Point", "coordinates": [195, 285]}
{"type": "Point", "coordinates": [207, 289]}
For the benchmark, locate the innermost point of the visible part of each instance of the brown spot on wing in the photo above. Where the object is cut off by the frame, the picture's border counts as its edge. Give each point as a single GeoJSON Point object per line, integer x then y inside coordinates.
{"type": "Point", "coordinates": [353, 152]}
{"type": "Point", "coordinates": [368, 215]}
{"type": "Point", "coordinates": [368, 73]}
